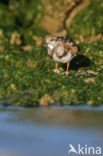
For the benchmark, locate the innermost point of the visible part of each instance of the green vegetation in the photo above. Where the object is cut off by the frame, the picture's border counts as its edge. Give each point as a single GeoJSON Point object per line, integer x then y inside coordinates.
{"type": "Point", "coordinates": [88, 21]}
{"type": "Point", "coordinates": [26, 71]}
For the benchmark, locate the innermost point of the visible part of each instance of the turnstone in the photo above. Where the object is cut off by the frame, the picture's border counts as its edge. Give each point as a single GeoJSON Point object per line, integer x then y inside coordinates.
{"type": "Point", "coordinates": [61, 49]}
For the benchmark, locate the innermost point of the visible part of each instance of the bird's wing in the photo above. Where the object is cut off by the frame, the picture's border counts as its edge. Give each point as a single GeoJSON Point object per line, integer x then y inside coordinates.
{"type": "Point", "coordinates": [70, 45]}
{"type": "Point", "coordinates": [60, 50]}
{"type": "Point", "coordinates": [64, 47]}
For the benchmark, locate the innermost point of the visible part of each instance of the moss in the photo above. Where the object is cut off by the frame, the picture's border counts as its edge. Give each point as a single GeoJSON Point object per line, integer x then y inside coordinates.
{"type": "Point", "coordinates": [88, 22]}
{"type": "Point", "coordinates": [25, 85]}
{"type": "Point", "coordinates": [26, 71]}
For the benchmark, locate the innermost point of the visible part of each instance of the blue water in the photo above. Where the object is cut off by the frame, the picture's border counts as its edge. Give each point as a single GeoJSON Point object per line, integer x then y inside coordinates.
{"type": "Point", "coordinates": [48, 131]}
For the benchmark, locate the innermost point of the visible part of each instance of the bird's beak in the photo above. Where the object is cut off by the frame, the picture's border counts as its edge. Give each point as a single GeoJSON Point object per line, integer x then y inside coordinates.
{"type": "Point", "coordinates": [45, 45]}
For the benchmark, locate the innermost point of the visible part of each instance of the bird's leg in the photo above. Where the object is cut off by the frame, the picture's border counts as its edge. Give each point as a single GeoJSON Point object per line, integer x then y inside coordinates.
{"type": "Point", "coordinates": [68, 64]}
{"type": "Point", "coordinates": [56, 68]}
{"type": "Point", "coordinates": [67, 71]}
{"type": "Point", "coordinates": [56, 65]}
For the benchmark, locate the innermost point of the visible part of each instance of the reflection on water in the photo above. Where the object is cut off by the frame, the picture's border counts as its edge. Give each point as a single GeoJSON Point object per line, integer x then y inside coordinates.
{"type": "Point", "coordinates": [48, 131]}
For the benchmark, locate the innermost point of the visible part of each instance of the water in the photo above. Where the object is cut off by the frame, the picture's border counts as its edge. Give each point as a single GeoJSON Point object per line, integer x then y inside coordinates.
{"type": "Point", "coordinates": [49, 131]}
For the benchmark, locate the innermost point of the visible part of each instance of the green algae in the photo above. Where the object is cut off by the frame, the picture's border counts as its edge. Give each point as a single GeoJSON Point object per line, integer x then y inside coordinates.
{"type": "Point", "coordinates": [26, 75]}
{"type": "Point", "coordinates": [88, 21]}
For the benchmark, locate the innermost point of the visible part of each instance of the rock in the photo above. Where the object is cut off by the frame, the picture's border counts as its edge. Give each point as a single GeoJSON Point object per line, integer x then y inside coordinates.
{"type": "Point", "coordinates": [15, 39]}
{"type": "Point", "coordinates": [57, 14]}
{"type": "Point", "coordinates": [90, 80]}
{"type": "Point", "coordinates": [27, 47]}
{"type": "Point", "coordinates": [92, 72]}
{"type": "Point", "coordinates": [46, 100]}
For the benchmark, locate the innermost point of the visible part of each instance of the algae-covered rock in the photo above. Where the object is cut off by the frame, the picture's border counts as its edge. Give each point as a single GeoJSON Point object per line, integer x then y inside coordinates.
{"type": "Point", "coordinates": [26, 72]}
{"type": "Point", "coordinates": [88, 23]}
{"type": "Point", "coordinates": [46, 100]}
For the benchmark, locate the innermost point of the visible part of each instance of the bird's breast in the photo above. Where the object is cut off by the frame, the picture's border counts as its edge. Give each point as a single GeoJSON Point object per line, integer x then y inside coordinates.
{"type": "Point", "coordinates": [64, 59]}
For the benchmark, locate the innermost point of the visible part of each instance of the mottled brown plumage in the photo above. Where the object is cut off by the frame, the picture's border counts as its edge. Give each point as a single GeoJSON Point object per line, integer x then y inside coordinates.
{"type": "Point", "coordinates": [61, 49]}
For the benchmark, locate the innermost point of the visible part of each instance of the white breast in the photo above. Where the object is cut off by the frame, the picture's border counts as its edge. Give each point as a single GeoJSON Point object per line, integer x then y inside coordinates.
{"type": "Point", "coordinates": [64, 59]}
{"type": "Point", "coordinates": [50, 46]}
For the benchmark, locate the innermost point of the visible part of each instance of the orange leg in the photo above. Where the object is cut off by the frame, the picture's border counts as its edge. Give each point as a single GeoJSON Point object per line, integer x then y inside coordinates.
{"type": "Point", "coordinates": [68, 65]}
{"type": "Point", "coordinates": [56, 65]}
{"type": "Point", "coordinates": [56, 68]}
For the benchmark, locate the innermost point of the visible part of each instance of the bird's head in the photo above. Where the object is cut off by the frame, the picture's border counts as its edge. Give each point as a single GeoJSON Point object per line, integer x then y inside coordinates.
{"type": "Point", "coordinates": [50, 42]}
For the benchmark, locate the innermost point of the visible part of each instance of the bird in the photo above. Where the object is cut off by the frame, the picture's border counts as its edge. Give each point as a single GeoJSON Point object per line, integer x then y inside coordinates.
{"type": "Point", "coordinates": [62, 50]}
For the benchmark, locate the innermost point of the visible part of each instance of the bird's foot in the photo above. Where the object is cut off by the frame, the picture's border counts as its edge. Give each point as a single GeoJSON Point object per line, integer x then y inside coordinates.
{"type": "Point", "coordinates": [66, 73]}
{"type": "Point", "coordinates": [56, 71]}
